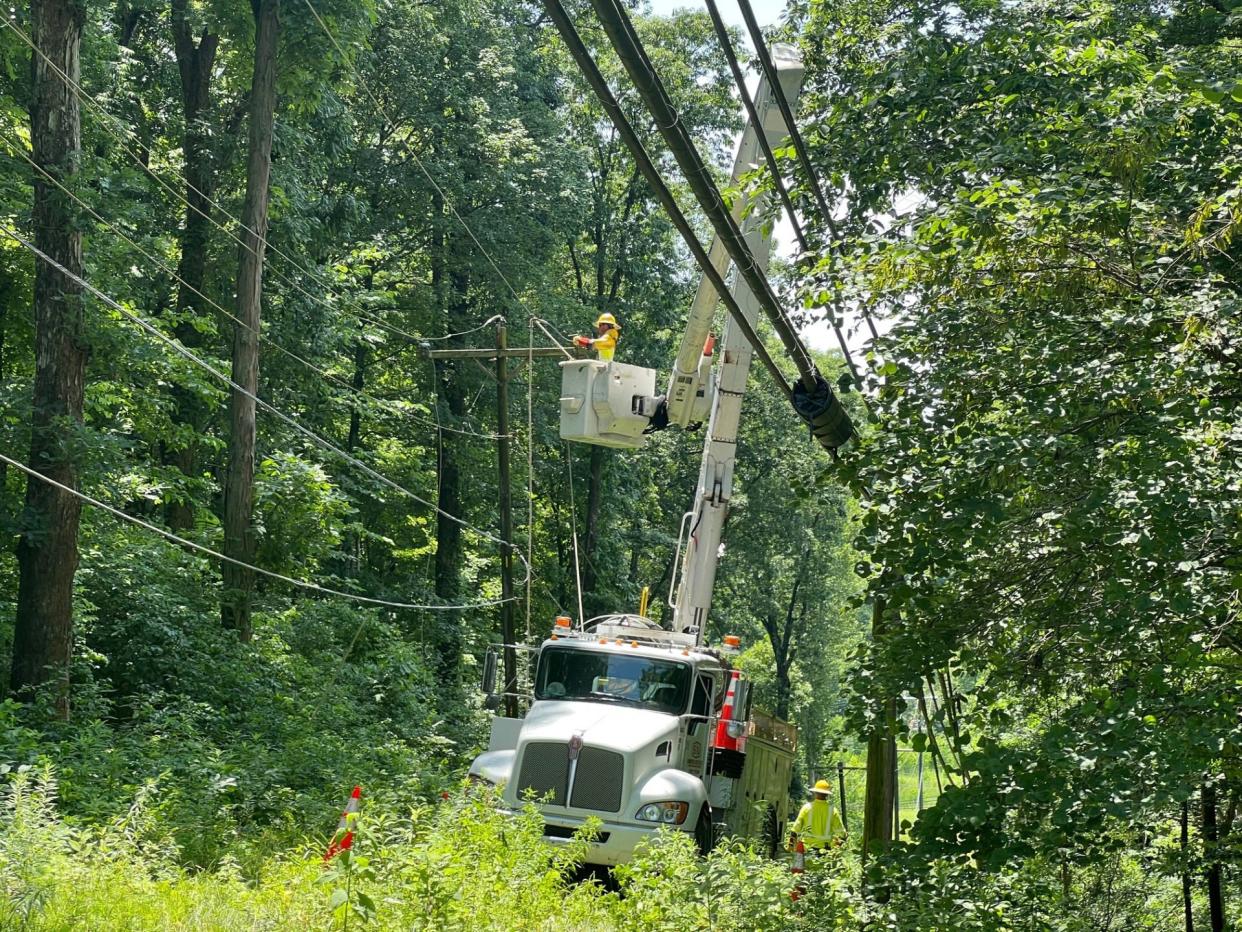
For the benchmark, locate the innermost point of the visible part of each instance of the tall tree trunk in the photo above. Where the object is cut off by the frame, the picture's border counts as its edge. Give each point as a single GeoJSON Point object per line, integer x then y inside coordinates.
{"type": "Point", "coordinates": [239, 542]}
{"type": "Point", "coordinates": [195, 62]}
{"type": "Point", "coordinates": [780, 636]}
{"type": "Point", "coordinates": [449, 557]}
{"type": "Point", "coordinates": [5, 295]}
{"type": "Point", "coordinates": [1211, 855]}
{"type": "Point", "coordinates": [881, 762]}
{"type": "Point", "coordinates": [1188, 909]}
{"type": "Point", "coordinates": [47, 551]}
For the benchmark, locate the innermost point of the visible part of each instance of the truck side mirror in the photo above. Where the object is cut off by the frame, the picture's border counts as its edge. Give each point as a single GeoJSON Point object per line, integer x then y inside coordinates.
{"type": "Point", "coordinates": [488, 684]}
{"type": "Point", "coordinates": [741, 709]}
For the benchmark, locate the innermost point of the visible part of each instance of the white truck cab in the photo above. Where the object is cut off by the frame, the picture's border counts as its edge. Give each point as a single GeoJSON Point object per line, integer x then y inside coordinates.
{"type": "Point", "coordinates": [639, 728]}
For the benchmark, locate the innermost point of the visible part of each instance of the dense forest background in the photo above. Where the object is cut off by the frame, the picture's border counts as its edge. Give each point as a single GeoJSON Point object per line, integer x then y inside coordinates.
{"type": "Point", "coordinates": [1027, 568]}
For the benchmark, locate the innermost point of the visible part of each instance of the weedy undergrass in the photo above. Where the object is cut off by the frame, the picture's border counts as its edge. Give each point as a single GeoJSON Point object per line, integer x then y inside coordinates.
{"type": "Point", "coordinates": [458, 863]}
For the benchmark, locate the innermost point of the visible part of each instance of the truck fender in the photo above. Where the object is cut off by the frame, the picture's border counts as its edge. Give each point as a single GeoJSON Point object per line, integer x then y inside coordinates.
{"type": "Point", "coordinates": [672, 784]}
{"type": "Point", "coordinates": [495, 767]}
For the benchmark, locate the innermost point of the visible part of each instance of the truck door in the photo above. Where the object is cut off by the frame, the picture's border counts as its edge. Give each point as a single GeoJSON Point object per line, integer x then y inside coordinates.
{"type": "Point", "coordinates": [697, 726]}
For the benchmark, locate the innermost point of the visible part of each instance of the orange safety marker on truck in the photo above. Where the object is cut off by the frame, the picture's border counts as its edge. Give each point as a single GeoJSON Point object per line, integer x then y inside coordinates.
{"type": "Point", "coordinates": [343, 840]}
{"type": "Point", "coordinates": [723, 738]}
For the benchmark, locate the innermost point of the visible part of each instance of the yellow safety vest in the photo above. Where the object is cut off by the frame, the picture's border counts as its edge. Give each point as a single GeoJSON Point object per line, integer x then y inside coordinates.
{"type": "Point", "coordinates": [606, 345]}
{"type": "Point", "coordinates": [818, 824]}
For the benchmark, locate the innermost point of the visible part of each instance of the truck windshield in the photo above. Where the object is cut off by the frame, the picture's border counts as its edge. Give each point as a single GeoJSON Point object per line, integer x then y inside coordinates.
{"type": "Point", "coordinates": [599, 676]}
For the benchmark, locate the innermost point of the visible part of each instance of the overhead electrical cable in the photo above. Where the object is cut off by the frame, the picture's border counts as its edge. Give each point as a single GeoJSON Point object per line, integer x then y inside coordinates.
{"type": "Point", "coordinates": [289, 420]}
{"type": "Point", "coordinates": [544, 325]}
{"type": "Point", "coordinates": [812, 397]}
{"type": "Point", "coordinates": [268, 341]}
{"type": "Point", "coordinates": [629, 48]}
{"type": "Point", "coordinates": [595, 78]}
{"type": "Point", "coordinates": [214, 554]}
{"type": "Point", "coordinates": [119, 132]}
{"type": "Point", "coordinates": [795, 135]}
{"type": "Point", "coordinates": [739, 78]}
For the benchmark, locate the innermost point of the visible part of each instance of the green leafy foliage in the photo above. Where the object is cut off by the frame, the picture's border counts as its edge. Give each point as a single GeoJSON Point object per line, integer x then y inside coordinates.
{"type": "Point", "coordinates": [454, 864]}
{"type": "Point", "coordinates": [1052, 518]}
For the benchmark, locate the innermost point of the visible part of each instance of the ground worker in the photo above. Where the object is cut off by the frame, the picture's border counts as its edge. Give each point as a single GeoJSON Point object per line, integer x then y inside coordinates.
{"type": "Point", "coordinates": [818, 825]}
{"type": "Point", "coordinates": [606, 343]}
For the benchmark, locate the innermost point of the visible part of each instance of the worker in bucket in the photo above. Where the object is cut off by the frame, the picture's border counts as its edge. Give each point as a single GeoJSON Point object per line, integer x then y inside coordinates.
{"type": "Point", "coordinates": [606, 343]}
{"type": "Point", "coordinates": [818, 825]}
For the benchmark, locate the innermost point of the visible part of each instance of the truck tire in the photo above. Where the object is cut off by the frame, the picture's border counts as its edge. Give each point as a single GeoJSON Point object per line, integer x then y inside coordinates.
{"type": "Point", "coordinates": [705, 832]}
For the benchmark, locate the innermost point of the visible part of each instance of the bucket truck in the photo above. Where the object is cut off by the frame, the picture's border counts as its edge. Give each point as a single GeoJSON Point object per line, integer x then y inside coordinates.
{"type": "Point", "coordinates": [637, 725]}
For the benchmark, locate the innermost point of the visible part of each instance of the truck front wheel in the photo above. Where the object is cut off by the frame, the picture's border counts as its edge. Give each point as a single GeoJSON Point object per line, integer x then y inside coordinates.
{"type": "Point", "coordinates": [705, 832]}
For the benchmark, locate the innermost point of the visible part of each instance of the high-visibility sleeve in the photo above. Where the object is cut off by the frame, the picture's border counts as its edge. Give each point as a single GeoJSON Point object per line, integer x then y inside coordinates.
{"type": "Point", "coordinates": [838, 827]}
{"type": "Point", "coordinates": [799, 824]}
{"type": "Point", "coordinates": [605, 345]}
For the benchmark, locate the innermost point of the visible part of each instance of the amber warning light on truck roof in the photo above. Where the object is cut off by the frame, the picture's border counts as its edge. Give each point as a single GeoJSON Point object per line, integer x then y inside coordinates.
{"type": "Point", "coordinates": [732, 642]}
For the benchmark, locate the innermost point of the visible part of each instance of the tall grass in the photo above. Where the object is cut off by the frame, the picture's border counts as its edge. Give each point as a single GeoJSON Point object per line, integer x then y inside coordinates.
{"type": "Point", "coordinates": [459, 864]}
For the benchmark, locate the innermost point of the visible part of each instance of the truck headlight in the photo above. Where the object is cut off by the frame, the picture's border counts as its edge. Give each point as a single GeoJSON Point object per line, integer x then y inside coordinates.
{"type": "Point", "coordinates": [672, 812]}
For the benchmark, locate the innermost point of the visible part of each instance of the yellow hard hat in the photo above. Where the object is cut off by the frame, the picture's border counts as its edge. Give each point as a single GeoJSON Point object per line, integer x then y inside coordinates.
{"type": "Point", "coordinates": [822, 788]}
{"type": "Point", "coordinates": [607, 319]}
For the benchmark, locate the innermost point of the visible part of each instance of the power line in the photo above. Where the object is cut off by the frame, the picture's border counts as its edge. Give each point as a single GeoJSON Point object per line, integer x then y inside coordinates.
{"type": "Point", "coordinates": [795, 135]}
{"type": "Point", "coordinates": [181, 541]}
{"type": "Point", "coordinates": [595, 78]}
{"type": "Point", "coordinates": [726, 44]}
{"type": "Point", "coordinates": [290, 421]}
{"type": "Point", "coordinates": [651, 89]}
{"type": "Point", "coordinates": [544, 325]}
{"type": "Point", "coordinates": [117, 231]}
{"type": "Point", "coordinates": [118, 132]}
{"type": "Point", "coordinates": [812, 397]}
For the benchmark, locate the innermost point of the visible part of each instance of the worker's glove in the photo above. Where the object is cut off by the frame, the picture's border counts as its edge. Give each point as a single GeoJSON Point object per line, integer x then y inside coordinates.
{"type": "Point", "coordinates": [582, 341]}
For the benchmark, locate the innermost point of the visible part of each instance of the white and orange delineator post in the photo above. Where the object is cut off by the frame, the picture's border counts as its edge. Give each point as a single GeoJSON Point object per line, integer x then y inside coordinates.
{"type": "Point", "coordinates": [798, 868]}
{"type": "Point", "coordinates": [343, 840]}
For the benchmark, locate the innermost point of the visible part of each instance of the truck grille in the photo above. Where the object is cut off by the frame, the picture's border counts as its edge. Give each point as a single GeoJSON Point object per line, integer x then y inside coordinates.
{"type": "Point", "coordinates": [545, 770]}
{"type": "Point", "coordinates": [597, 781]}
{"type": "Point", "coordinates": [561, 831]}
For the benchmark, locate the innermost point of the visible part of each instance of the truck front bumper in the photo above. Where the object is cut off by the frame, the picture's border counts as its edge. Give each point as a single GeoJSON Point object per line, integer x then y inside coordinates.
{"type": "Point", "coordinates": [616, 841]}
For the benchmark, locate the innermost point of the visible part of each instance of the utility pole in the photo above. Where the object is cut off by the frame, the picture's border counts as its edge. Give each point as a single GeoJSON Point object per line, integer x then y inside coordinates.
{"type": "Point", "coordinates": [506, 518]}
{"type": "Point", "coordinates": [501, 354]}
{"type": "Point", "coordinates": [841, 789]}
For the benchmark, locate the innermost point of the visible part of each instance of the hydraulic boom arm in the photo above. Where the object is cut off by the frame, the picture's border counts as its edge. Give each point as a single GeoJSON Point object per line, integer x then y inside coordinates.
{"type": "Point", "coordinates": [704, 524]}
